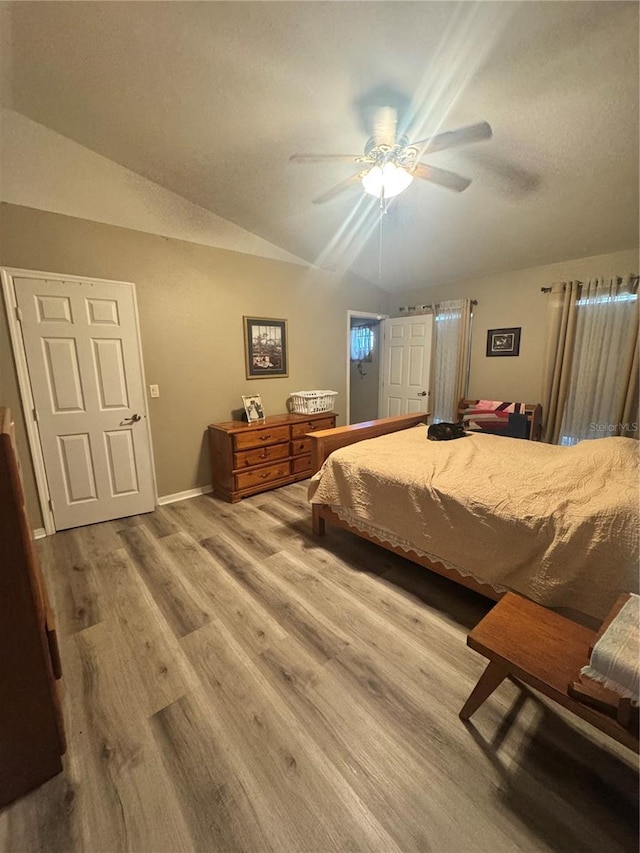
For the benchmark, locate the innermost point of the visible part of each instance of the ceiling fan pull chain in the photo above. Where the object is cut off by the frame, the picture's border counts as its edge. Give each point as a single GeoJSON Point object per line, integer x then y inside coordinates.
{"type": "Point", "coordinates": [382, 213]}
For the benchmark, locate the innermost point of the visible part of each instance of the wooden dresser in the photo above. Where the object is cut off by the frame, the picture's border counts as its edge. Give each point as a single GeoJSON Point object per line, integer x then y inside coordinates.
{"type": "Point", "coordinates": [250, 458]}
{"type": "Point", "coordinates": [31, 730]}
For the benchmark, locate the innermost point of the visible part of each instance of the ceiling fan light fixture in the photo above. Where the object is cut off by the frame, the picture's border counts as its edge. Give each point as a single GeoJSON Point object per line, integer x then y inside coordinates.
{"type": "Point", "coordinates": [386, 181]}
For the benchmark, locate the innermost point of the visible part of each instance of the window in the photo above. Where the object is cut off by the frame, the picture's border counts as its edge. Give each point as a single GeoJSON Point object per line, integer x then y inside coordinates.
{"type": "Point", "coordinates": [362, 343]}
{"type": "Point", "coordinates": [602, 388]}
{"type": "Point", "coordinates": [591, 370]}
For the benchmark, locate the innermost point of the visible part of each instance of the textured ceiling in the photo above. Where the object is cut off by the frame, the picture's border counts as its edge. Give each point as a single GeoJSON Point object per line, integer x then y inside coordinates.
{"type": "Point", "coordinates": [210, 100]}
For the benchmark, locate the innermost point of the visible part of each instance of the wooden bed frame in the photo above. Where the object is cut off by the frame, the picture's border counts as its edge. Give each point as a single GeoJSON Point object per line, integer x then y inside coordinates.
{"type": "Point", "coordinates": [326, 441]}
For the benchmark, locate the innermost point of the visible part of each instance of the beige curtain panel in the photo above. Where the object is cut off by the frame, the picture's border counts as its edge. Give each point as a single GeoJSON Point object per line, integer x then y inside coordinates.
{"type": "Point", "coordinates": [452, 330]}
{"type": "Point", "coordinates": [591, 366]}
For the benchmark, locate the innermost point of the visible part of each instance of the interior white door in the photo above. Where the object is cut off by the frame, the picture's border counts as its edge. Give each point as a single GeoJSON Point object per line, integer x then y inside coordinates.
{"type": "Point", "coordinates": [406, 370]}
{"type": "Point", "coordinates": [83, 355]}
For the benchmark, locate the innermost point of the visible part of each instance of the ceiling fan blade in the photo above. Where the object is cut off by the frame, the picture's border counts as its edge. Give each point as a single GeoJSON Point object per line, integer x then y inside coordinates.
{"type": "Point", "coordinates": [339, 188]}
{"type": "Point", "coordinates": [442, 177]}
{"type": "Point", "coordinates": [453, 138]}
{"type": "Point", "coordinates": [321, 158]}
{"type": "Point", "coordinates": [385, 121]}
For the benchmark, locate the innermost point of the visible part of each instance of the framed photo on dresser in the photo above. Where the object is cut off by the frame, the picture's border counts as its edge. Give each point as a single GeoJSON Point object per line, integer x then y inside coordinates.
{"type": "Point", "coordinates": [253, 408]}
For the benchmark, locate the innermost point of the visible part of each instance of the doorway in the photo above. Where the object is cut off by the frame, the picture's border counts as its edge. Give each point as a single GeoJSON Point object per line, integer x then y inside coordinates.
{"type": "Point", "coordinates": [364, 344]}
{"type": "Point", "coordinates": [76, 344]}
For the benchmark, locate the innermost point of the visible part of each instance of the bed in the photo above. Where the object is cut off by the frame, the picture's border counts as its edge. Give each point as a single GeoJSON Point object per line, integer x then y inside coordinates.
{"type": "Point", "coordinates": [556, 524]}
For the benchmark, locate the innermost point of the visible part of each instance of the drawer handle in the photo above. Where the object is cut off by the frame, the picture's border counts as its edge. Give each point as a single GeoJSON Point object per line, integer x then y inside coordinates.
{"type": "Point", "coordinates": [264, 454]}
{"type": "Point", "coordinates": [265, 437]}
{"type": "Point", "coordinates": [264, 476]}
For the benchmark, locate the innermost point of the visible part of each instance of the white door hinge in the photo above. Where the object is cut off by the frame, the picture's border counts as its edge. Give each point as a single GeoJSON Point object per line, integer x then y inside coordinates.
{"type": "Point", "coordinates": [50, 504]}
{"type": "Point", "coordinates": [19, 314]}
{"type": "Point", "coordinates": [35, 414]}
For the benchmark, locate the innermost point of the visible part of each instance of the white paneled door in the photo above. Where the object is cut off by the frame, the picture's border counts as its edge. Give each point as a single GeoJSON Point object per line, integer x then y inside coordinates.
{"type": "Point", "coordinates": [83, 356]}
{"type": "Point", "coordinates": [406, 357]}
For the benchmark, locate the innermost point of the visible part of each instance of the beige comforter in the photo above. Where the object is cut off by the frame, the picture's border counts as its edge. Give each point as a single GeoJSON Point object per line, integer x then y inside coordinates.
{"type": "Point", "coordinates": [557, 524]}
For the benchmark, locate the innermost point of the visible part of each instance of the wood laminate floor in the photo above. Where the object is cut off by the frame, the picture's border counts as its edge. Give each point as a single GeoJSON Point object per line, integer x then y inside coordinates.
{"type": "Point", "coordinates": [232, 684]}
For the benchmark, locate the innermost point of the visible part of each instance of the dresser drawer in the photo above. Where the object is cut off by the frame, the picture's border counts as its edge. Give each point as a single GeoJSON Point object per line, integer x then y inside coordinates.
{"type": "Point", "coordinates": [260, 455]}
{"type": "Point", "coordinates": [260, 437]}
{"type": "Point", "coordinates": [301, 464]}
{"type": "Point", "coordinates": [303, 427]}
{"type": "Point", "coordinates": [300, 445]}
{"type": "Point", "coordinates": [257, 476]}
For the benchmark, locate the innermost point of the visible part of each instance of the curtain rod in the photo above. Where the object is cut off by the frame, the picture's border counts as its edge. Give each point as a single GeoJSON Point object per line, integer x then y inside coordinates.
{"type": "Point", "coordinates": [435, 304]}
{"type": "Point", "coordinates": [473, 302]}
{"type": "Point", "coordinates": [618, 279]}
{"type": "Point", "coordinates": [431, 305]}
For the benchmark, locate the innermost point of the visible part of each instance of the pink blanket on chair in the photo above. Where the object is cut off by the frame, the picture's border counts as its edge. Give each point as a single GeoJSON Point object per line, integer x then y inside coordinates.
{"type": "Point", "coordinates": [491, 415]}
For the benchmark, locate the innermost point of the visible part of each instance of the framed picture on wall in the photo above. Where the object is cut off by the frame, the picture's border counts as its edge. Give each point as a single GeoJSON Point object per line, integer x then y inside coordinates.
{"type": "Point", "coordinates": [503, 341]}
{"type": "Point", "coordinates": [265, 347]}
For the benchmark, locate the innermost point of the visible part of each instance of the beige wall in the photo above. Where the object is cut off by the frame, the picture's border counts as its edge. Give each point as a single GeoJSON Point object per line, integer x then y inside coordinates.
{"type": "Point", "coordinates": [514, 299]}
{"type": "Point", "coordinates": [191, 300]}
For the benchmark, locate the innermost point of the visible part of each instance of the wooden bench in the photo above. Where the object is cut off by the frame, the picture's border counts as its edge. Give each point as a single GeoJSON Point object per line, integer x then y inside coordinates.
{"type": "Point", "coordinates": [528, 643]}
{"type": "Point", "coordinates": [532, 412]}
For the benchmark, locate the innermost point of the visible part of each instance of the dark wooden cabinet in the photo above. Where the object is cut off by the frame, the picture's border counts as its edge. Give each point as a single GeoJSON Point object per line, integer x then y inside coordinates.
{"type": "Point", "coordinates": [250, 458]}
{"type": "Point", "coordinates": [31, 729]}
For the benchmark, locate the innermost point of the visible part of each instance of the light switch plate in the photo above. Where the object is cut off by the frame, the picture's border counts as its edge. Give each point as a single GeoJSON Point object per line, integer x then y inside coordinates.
{"type": "Point", "coordinates": [154, 391]}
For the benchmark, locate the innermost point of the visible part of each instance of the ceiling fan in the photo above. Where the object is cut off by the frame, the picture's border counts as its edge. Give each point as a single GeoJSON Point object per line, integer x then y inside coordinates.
{"type": "Point", "coordinates": [390, 163]}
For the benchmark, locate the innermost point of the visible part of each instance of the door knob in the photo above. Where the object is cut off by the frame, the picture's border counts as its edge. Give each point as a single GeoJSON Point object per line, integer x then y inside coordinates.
{"type": "Point", "coordinates": [132, 420]}
{"type": "Point", "coordinates": [422, 393]}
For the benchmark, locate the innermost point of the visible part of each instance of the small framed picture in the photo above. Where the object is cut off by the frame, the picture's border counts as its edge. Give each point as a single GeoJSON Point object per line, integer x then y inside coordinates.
{"type": "Point", "coordinates": [265, 347]}
{"type": "Point", "coordinates": [253, 408]}
{"type": "Point", "coordinates": [503, 341]}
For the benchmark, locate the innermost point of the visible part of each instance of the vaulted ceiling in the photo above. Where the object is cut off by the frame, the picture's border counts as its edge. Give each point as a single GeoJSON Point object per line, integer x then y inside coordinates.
{"type": "Point", "coordinates": [210, 100]}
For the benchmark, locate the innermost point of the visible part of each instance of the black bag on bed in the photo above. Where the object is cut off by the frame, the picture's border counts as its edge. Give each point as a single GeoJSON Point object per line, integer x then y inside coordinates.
{"type": "Point", "coordinates": [445, 431]}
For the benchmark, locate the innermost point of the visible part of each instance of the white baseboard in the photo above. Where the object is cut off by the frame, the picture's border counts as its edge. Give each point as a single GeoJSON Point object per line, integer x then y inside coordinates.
{"type": "Point", "coordinates": [183, 496]}
{"type": "Point", "coordinates": [39, 533]}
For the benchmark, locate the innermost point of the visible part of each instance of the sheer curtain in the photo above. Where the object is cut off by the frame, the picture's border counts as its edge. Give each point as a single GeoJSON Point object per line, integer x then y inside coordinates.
{"type": "Point", "coordinates": [362, 342]}
{"type": "Point", "coordinates": [591, 373]}
{"type": "Point", "coordinates": [453, 328]}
